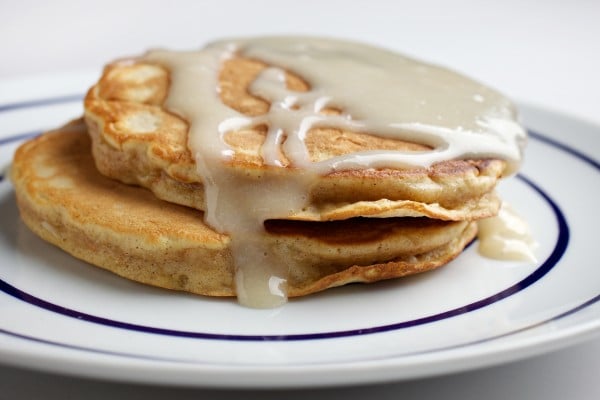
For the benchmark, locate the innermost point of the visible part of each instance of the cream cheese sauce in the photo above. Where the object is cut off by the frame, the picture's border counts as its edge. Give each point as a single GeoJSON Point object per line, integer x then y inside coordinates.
{"type": "Point", "coordinates": [377, 91]}
{"type": "Point", "coordinates": [506, 236]}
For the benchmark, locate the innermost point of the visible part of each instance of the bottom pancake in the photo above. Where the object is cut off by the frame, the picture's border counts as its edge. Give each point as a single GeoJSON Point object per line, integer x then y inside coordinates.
{"type": "Point", "coordinates": [125, 229]}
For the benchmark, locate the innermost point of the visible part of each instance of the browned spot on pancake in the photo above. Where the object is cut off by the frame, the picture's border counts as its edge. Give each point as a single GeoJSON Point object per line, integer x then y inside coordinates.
{"type": "Point", "coordinates": [236, 76]}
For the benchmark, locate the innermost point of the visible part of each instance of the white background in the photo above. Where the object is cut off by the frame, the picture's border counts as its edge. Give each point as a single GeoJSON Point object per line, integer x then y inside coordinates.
{"type": "Point", "coordinates": [543, 53]}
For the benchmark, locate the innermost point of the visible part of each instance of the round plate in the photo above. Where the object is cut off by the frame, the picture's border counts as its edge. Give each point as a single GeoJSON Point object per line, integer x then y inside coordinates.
{"type": "Point", "coordinates": [64, 315]}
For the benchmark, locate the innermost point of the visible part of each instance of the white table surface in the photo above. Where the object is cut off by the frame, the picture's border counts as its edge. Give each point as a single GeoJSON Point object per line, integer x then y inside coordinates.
{"type": "Point", "coordinates": [543, 53]}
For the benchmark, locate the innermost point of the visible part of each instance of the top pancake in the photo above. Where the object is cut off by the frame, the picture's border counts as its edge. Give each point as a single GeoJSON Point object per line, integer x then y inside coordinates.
{"type": "Point", "coordinates": [137, 140]}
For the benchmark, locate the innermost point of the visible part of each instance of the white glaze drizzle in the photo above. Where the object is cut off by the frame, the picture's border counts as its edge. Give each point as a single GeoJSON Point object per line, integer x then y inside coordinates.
{"type": "Point", "coordinates": [378, 91]}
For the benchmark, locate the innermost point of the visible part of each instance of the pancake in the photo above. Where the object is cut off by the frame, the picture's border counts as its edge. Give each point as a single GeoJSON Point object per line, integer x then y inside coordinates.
{"type": "Point", "coordinates": [138, 139]}
{"type": "Point", "coordinates": [125, 229]}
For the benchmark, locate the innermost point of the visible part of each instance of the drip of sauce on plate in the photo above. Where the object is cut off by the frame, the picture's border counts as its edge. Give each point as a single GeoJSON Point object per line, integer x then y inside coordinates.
{"type": "Point", "coordinates": [377, 91]}
{"type": "Point", "coordinates": [506, 237]}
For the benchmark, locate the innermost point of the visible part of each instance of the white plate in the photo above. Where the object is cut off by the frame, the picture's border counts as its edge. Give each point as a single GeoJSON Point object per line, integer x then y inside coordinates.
{"type": "Point", "coordinates": [60, 314]}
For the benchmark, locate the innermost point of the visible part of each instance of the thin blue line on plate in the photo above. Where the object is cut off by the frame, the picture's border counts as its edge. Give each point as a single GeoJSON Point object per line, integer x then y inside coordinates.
{"type": "Point", "coordinates": [71, 98]}
{"type": "Point", "coordinates": [558, 317]}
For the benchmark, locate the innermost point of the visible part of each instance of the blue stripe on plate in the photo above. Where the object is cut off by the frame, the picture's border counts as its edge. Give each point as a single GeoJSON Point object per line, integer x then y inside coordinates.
{"type": "Point", "coordinates": [40, 102]}
{"type": "Point", "coordinates": [411, 354]}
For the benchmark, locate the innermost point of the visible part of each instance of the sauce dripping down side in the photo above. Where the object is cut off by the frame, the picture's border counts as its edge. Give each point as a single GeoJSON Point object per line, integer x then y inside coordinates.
{"type": "Point", "coordinates": [377, 91]}
{"type": "Point", "coordinates": [506, 237]}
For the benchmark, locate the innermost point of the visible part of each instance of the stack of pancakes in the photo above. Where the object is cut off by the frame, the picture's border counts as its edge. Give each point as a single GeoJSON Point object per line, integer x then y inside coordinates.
{"type": "Point", "coordinates": [120, 189]}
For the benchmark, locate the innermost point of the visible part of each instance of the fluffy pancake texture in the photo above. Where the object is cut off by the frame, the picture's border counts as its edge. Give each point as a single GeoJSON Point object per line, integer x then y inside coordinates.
{"type": "Point", "coordinates": [125, 229]}
{"type": "Point", "coordinates": [137, 140]}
